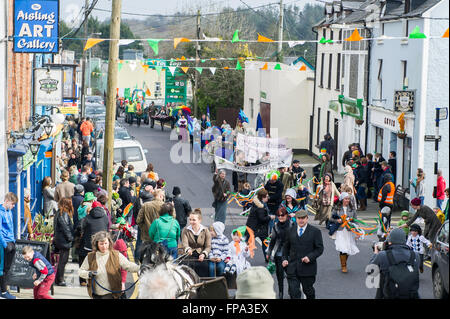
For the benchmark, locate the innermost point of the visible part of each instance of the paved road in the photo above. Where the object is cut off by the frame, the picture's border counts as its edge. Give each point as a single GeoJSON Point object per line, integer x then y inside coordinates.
{"type": "Point", "coordinates": [195, 180]}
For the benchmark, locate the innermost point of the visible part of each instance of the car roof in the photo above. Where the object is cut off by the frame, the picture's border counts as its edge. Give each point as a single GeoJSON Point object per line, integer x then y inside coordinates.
{"type": "Point", "coordinates": [124, 143]}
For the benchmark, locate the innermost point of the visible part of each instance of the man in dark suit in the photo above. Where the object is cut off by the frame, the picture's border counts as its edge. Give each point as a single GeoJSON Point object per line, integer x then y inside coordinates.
{"type": "Point", "coordinates": [303, 245]}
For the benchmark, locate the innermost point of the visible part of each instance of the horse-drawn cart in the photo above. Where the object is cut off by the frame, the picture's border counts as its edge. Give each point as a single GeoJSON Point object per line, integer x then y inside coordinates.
{"type": "Point", "coordinates": [162, 119]}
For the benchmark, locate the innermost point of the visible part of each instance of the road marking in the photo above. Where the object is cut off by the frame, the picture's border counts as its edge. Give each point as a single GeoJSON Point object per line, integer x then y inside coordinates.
{"type": "Point", "coordinates": [134, 275]}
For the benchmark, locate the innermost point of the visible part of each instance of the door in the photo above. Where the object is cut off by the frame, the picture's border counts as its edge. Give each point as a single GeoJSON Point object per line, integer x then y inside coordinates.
{"type": "Point", "coordinates": [336, 140]}
{"type": "Point", "coordinates": [265, 116]}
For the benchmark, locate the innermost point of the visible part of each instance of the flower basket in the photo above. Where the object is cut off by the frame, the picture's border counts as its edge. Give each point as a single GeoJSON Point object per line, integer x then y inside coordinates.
{"type": "Point", "coordinates": [401, 135]}
{"type": "Point", "coordinates": [359, 122]}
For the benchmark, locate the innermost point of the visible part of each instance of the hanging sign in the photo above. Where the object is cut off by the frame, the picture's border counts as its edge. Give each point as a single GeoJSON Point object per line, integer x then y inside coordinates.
{"type": "Point", "coordinates": [48, 86]}
{"type": "Point", "coordinates": [36, 26]}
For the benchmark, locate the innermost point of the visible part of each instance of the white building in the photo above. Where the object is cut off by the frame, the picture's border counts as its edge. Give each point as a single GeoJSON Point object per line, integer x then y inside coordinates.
{"type": "Point", "coordinates": [283, 98]}
{"type": "Point", "coordinates": [417, 68]}
{"type": "Point", "coordinates": [342, 70]}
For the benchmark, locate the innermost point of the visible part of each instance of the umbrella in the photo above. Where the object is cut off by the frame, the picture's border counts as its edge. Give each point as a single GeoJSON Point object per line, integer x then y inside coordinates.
{"type": "Point", "coordinates": [186, 110]}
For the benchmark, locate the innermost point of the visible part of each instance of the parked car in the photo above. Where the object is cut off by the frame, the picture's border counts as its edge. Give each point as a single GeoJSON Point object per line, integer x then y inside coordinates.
{"type": "Point", "coordinates": [439, 263]}
{"type": "Point", "coordinates": [95, 99]}
{"type": "Point", "coordinates": [130, 150]}
{"type": "Point", "coordinates": [95, 111]}
{"type": "Point", "coordinates": [120, 133]}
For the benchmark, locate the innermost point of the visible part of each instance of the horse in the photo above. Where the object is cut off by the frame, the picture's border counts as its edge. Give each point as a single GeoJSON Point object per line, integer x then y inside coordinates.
{"type": "Point", "coordinates": [156, 263]}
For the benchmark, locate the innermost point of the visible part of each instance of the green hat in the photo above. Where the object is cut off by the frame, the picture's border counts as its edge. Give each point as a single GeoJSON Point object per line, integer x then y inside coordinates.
{"type": "Point", "coordinates": [405, 213]}
{"type": "Point", "coordinates": [89, 196]}
{"type": "Point", "coordinates": [115, 195]}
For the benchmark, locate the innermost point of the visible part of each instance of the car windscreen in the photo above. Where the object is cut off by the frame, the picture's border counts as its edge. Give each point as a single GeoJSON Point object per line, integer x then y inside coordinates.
{"type": "Point", "coordinates": [121, 135]}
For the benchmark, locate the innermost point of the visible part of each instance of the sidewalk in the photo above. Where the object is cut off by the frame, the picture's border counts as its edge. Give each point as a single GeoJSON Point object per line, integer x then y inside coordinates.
{"type": "Point", "coordinates": [73, 290]}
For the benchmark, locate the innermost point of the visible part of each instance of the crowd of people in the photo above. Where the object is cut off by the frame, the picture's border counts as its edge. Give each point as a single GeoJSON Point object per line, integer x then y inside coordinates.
{"type": "Point", "coordinates": [142, 209]}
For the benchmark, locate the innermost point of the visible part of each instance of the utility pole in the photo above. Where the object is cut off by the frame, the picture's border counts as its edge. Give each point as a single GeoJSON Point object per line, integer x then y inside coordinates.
{"type": "Point", "coordinates": [83, 68]}
{"type": "Point", "coordinates": [280, 33]}
{"type": "Point", "coordinates": [197, 57]}
{"type": "Point", "coordinates": [110, 123]}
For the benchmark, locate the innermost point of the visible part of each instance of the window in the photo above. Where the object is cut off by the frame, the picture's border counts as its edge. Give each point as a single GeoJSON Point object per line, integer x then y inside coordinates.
{"type": "Point", "coordinates": [340, 35]}
{"type": "Point", "coordinates": [405, 28]}
{"type": "Point", "coordinates": [132, 154]}
{"type": "Point", "coordinates": [443, 234]}
{"type": "Point", "coordinates": [331, 34]}
{"type": "Point", "coordinates": [321, 69]}
{"type": "Point", "coordinates": [379, 140]}
{"type": "Point", "coordinates": [324, 33]}
{"type": "Point", "coordinates": [252, 110]}
{"type": "Point", "coordinates": [318, 126]}
{"type": "Point", "coordinates": [338, 72]}
{"type": "Point", "coordinates": [330, 69]}
{"type": "Point", "coordinates": [404, 65]}
{"type": "Point", "coordinates": [407, 144]}
{"type": "Point", "coordinates": [366, 76]}
{"type": "Point", "coordinates": [353, 76]}
{"type": "Point", "coordinates": [380, 79]}
{"type": "Point", "coordinates": [328, 121]}
{"type": "Point", "coordinates": [382, 29]}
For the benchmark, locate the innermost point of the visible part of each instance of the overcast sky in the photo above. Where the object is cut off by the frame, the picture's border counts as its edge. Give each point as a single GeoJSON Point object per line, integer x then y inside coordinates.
{"type": "Point", "coordinates": [70, 9]}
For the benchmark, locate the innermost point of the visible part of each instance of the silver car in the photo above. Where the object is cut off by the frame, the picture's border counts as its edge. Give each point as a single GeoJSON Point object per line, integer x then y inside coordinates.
{"type": "Point", "coordinates": [439, 262]}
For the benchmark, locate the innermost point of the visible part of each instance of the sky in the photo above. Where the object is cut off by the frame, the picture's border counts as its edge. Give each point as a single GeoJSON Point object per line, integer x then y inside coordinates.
{"type": "Point", "coordinates": [71, 9]}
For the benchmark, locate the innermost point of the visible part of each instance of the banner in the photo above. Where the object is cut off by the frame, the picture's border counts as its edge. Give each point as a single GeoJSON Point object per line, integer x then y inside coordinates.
{"type": "Point", "coordinates": [251, 148]}
{"type": "Point", "coordinates": [284, 160]}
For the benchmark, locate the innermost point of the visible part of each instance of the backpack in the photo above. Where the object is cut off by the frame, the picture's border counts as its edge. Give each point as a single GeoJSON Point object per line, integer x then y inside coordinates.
{"type": "Point", "coordinates": [402, 279]}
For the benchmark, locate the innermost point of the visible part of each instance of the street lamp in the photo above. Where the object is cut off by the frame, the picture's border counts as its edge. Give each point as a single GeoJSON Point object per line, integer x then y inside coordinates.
{"type": "Point", "coordinates": [34, 147]}
{"type": "Point", "coordinates": [48, 128]}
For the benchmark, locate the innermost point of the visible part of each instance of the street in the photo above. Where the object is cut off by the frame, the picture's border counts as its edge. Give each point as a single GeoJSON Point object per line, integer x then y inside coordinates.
{"type": "Point", "coordinates": [195, 181]}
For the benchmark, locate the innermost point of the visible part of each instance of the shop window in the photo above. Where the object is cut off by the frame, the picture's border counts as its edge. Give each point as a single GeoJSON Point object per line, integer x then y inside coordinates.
{"type": "Point", "coordinates": [406, 167]}
{"type": "Point", "coordinates": [379, 140]}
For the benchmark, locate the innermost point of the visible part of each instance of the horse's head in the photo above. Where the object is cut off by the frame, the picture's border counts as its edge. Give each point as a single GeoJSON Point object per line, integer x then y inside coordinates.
{"type": "Point", "coordinates": [152, 254]}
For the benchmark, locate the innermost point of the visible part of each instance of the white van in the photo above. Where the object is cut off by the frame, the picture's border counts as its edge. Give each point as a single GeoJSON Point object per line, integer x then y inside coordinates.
{"type": "Point", "coordinates": [129, 150]}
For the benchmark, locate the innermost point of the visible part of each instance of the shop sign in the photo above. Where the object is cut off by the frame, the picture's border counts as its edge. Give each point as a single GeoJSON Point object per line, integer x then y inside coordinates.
{"type": "Point", "coordinates": [36, 26]}
{"type": "Point", "coordinates": [353, 107]}
{"type": "Point", "coordinates": [48, 86]}
{"type": "Point", "coordinates": [404, 100]}
{"type": "Point", "coordinates": [334, 105]}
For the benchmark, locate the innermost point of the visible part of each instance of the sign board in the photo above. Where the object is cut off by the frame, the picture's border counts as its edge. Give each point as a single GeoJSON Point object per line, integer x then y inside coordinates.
{"type": "Point", "coordinates": [176, 87]}
{"type": "Point", "coordinates": [432, 138]}
{"type": "Point", "coordinates": [404, 100]}
{"type": "Point", "coordinates": [21, 272]}
{"type": "Point", "coordinates": [69, 108]}
{"type": "Point", "coordinates": [443, 113]}
{"type": "Point", "coordinates": [48, 86]}
{"type": "Point", "coordinates": [36, 26]}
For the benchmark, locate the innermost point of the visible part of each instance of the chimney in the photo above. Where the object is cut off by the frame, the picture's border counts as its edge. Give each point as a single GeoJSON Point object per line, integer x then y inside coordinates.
{"type": "Point", "coordinates": [328, 10]}
{"type": "Point", "coordinates": [407, 6]}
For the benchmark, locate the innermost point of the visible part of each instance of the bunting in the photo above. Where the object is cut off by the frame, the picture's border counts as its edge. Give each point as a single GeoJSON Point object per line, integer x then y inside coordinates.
{"type": "Point", "coordinates": [264, 39]}
{"type": "Point", "coordinates": [265, 67]}
{"type": "Point", "coordinates": [355, 36]}
{"type": "Point", "coordinates": [185, 69]}
{"type": "Point", "coordinates": [213, 70]}
{"type": "Point", "coordinates": [235, 37]}
{"type": "Point", "coordinates": [91, 42]}
{"type": "Point", "coordinates": [416, 34]}
{"type": "Point", "coordinates": [172, 70]}
{"type": "Point", "coordinates": [277, 67]}
{"type": "Point", "coordinates": [154, 44]}
{"type": "Point", "coordinates": [177, 41]}
{"type": "Point", "coordinates": [445, 34]}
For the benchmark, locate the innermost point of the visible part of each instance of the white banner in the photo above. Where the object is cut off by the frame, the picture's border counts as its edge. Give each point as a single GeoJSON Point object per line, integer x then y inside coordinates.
{"type": "Point", "coordinates": [252, 148]}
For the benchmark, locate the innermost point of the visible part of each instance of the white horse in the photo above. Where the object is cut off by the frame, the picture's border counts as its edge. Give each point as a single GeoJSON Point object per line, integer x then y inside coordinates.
{"type": "Point", "coordinates": [162, 278]}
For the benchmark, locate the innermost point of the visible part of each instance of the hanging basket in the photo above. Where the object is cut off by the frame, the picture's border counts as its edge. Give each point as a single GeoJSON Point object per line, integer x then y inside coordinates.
{"type": "Point", "coordinates": [359, 122]}
{"type": "Point", "coordinates": [401, 135]}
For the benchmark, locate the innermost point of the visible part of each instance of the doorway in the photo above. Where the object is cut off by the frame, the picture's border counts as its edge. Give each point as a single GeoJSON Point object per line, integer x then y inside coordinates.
{"type": "Point", "coordinates": [265, 116]}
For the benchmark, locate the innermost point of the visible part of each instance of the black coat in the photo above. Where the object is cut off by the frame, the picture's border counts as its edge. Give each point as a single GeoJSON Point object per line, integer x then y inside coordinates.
{"type": "Point", "coordinates": [275, 191]}
{"type": "Point", "coordinates": [295, 248]}
{"type": "Point", "coordinates": [182, 209]}
{"type": "Point", "coordinates": [278, 236]}
{"type": "Point", "coordinates": [77, 199]}
{"type": "Point", "coordinates": [258, 219]}
{"type": "Point", "coordinates": [125, 195]}
{"type": "Point", "coordinates": [64, 231]}
{"type": "Point", "coordinates": [94, 222]}
{"type": "Point", "coordinates": [362, 174]}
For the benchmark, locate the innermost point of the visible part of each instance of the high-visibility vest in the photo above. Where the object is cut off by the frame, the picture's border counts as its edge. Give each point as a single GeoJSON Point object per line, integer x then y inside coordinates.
{"type": "Point", "coordinates": [390, 195]}
{"type": "Point", "coordinates": [131, 108]}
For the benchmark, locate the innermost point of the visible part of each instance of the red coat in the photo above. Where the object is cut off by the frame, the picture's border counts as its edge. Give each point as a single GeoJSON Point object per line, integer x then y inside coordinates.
{"type": "Point", "coordinates": [122, 248]}
{"type": "Point", "coordinates": [440, 194]}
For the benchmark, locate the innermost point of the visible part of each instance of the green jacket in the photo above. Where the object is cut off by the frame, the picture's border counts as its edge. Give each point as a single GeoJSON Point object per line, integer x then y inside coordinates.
{"type": "Point", "coordinates": [165, 227]}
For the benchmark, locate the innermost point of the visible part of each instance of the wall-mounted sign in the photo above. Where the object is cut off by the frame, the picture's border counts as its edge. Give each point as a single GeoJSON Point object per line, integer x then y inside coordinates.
{"type": "Point", "coordinates": [48, 86]}
{"type": "Point", "coordinates": [334, 105]}
{"type": "Point", "coordinates": [404, 100]}
{"type": "Point", "coordinates": [353, 107]}
{"type": "Point", "coordinates": [36, 26]}
{"type": "Point", "coordinates": [443, 113]}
